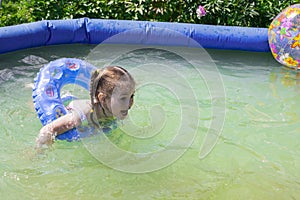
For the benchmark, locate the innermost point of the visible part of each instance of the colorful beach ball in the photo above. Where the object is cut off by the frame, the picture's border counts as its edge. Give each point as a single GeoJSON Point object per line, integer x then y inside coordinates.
{"type": "Point", "coordinates": [284, 37]}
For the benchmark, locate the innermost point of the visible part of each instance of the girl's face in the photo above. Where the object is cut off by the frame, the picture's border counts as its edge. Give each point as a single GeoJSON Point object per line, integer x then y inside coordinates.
{"type": "Point", "coordinates": [121, 101]}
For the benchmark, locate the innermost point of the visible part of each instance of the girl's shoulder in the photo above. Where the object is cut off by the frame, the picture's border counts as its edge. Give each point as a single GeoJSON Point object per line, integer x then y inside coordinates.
{"type": "Point", "coordinates": [82, 105]}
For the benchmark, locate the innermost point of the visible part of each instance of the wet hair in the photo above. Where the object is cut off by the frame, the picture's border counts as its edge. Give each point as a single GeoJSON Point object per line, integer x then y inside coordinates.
{"type": "Point", "coordinates": [105, 80]}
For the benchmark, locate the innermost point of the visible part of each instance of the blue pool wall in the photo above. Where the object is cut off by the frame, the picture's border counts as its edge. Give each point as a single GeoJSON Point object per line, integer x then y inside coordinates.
{"type": "Point", "coordinates": [95, 31]}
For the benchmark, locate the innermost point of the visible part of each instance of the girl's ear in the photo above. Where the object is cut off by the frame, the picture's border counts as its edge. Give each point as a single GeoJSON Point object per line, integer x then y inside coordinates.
{"type": "Point", "coordinates": [101, 98]}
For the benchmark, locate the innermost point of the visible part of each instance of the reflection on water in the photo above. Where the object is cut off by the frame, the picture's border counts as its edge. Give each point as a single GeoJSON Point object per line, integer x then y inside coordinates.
{"type": "Point", "coordinates": [257, 156]}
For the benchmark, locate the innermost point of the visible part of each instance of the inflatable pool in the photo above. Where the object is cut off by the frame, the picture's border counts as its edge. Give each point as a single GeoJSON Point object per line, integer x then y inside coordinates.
{"type": "Point", "coordinates": [95, 31]}
{"type": "Point", "coordinates": [256, 157]}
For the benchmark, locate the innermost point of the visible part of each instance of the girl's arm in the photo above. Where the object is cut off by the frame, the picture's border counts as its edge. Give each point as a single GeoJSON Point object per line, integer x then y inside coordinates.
{"type": "Point", "coordinates": [50, 131]}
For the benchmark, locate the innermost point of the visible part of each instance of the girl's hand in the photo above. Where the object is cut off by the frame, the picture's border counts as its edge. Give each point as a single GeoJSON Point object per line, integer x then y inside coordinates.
{"type": "Point", "coordinates": [48, 133]}
{"type": "Point", "coordinates": [45, 138]}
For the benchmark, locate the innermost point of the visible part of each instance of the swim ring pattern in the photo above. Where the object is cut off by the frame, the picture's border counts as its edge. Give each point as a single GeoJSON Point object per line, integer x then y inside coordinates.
{"type": "Point", "coordinates": [284, 37]}
{"type": "Point", "coordinates": [47, 86]}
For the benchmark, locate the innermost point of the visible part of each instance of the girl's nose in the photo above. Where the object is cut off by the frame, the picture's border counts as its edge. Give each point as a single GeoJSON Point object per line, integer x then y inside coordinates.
{"type": "Point", "coordinates": [130, 102]}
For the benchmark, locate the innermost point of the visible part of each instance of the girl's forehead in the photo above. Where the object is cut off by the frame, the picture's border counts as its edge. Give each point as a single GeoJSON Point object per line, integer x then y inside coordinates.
{"type": "Point", "coordinates": [127, 88]}
{"type": "Point", "coordinates": [126, 83]}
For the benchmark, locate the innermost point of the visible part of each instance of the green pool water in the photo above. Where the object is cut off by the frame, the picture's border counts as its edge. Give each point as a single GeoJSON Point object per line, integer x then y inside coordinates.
{"type": "Point", "coordinates": [256, 156]}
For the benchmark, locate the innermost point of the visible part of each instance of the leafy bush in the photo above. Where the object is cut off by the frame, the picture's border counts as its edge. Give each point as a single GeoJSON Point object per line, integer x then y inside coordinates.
{"type": "Point", "coordinates": [255, 13]}
{"type": "Point", "coordinates": [15, 12]}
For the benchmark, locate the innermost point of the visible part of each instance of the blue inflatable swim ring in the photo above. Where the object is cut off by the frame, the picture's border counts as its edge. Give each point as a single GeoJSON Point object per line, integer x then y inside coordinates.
{"type": "Point", "coordinates": [47, 99]}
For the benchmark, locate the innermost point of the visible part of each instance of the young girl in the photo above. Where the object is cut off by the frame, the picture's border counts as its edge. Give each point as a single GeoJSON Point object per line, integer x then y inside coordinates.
{"type": "Point", "coordinates": [111, 90]}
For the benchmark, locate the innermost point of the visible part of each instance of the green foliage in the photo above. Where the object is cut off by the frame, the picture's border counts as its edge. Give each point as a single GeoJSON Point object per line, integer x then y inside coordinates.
{"type": "Point", "coordinates": [254, 13]}
{"type": "Point", "coordinates": [15, 12]}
